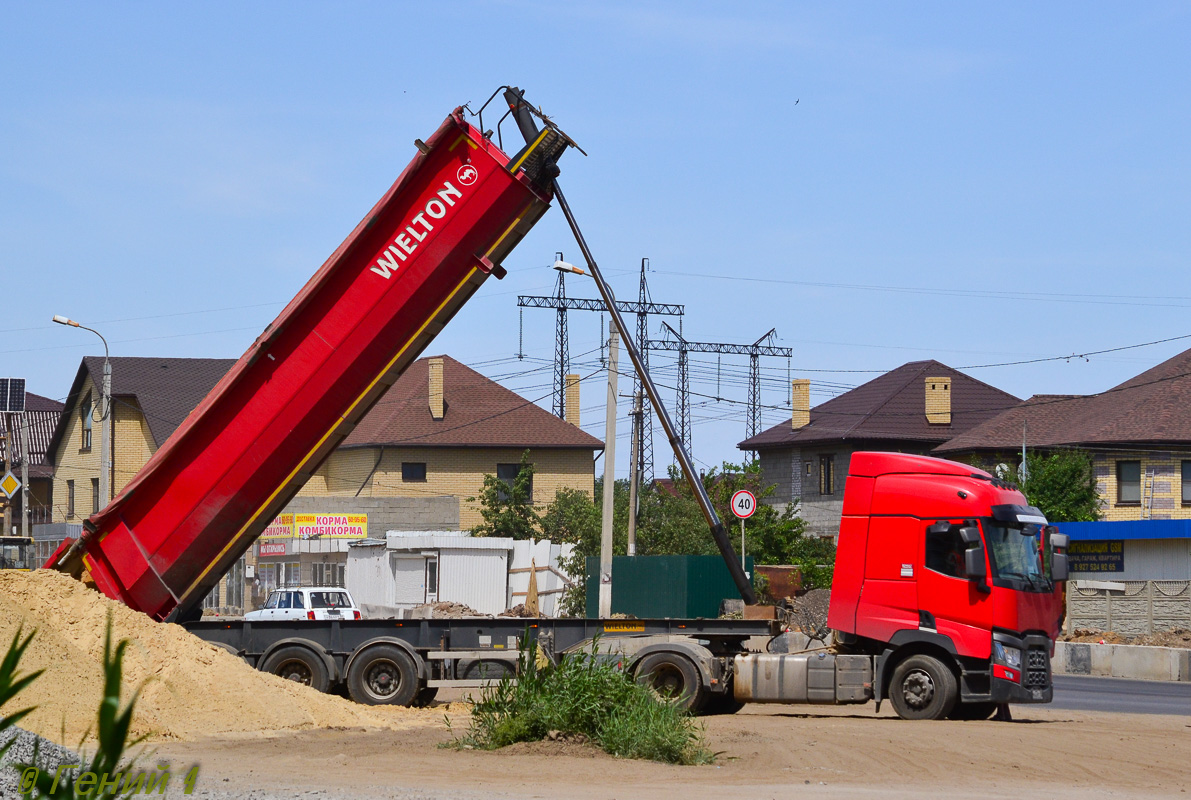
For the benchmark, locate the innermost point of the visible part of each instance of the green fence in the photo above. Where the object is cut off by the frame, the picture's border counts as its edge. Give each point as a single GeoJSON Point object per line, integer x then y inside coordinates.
{"type": "Point", "coordinates": [659, 587]}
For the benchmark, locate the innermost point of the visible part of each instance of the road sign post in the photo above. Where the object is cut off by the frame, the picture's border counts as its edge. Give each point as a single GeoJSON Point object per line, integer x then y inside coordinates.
{"type": "Point", "coordinates": [744, 505]}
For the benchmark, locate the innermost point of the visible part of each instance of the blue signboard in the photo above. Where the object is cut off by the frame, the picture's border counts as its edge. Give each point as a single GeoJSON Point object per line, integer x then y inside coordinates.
{"type": "Point", "coordinates": [1097, 556]}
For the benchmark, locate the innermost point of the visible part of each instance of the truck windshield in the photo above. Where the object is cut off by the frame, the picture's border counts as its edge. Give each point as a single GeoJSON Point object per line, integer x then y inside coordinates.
{"type": "Point", "coordinates": [1015, 554]}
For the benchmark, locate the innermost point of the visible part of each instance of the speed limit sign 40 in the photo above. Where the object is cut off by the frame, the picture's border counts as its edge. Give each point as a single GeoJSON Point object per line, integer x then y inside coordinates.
{"type": "Point", "coordinates": [744, 504]}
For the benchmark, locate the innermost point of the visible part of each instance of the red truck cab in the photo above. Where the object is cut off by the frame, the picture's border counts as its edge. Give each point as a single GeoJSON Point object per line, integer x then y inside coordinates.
{"type": "Point", "coordinates": [941, 564]}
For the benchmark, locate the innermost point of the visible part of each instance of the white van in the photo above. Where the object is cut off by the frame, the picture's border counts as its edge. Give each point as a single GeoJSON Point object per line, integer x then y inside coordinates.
{"type": "Point", "coordinates": [313, 603]}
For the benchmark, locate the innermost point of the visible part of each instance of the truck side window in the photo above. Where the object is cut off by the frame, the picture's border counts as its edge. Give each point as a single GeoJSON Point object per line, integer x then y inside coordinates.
{"type": "Point", "coordinates": [299, 602]}
{"type": "Point", "coordinates": [945, 552]}
{"type": "Point", "coordinates": [274, 599]}
{"type": "Point", "coordinates": [283, 601]}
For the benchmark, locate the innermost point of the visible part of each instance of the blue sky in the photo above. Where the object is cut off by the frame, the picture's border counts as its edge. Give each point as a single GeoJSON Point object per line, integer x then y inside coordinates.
{"type": "Point", "coordinates": [880, 182]}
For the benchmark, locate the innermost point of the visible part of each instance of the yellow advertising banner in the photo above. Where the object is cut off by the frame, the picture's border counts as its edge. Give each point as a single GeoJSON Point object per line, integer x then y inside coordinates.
{"type": "Point", "coordinates": [282, 527]}
{"type": "Point", "coordinates": [331, 526]}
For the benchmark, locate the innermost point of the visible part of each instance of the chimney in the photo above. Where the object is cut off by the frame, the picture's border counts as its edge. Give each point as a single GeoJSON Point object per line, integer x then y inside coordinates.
{"type": "Point", "coordinates": [938, 401]}
{"type": "Point", "coordinates": [800, 403]}
{"type": "Point", "coordinates": [572, 400]}
{"type": "Point", "coordinates": [436, 391]}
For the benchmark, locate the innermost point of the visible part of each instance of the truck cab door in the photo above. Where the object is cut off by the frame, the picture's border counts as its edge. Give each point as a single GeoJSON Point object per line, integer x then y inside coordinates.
{"type": "Point", "coordinates": [950, 601]}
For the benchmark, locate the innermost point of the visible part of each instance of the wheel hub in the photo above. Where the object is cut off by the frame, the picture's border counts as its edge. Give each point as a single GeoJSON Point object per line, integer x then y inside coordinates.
{"type": "Point", "coordinates": [918, 689]}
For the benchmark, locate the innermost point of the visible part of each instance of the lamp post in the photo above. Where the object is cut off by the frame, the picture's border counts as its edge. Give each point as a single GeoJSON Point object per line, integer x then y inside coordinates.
{"type": "Point", "coordinates": [105, 416]}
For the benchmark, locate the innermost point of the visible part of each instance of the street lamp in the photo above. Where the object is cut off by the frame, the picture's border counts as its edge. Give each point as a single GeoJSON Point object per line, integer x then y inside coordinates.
{"type": "Point", "coordinates": [105, 415]}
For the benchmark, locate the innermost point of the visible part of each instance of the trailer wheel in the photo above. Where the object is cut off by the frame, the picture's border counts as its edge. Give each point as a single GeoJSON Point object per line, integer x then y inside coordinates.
{"type": "Point", "coordinates": [972, 711]}
{"type": "Point", "coordinates": [383, 676]}
{"type": "Point", "coordinates": [674, 677]}
{"type": "Point", "coordinates": [923, 687]}
{"type": "Point", "coordinates": [298, 664]}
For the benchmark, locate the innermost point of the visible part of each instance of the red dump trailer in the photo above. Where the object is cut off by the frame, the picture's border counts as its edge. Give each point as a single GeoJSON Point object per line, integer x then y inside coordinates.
{"type": "Point", "coordinates": [442, 228]}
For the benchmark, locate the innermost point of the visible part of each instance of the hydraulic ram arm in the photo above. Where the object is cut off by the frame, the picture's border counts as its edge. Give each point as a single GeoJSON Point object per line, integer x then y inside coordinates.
{"type": "Point", "coordinates": [524, 116]}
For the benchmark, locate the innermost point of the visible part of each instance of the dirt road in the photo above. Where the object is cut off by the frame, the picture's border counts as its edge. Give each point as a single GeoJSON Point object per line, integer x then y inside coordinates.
{"type": "Point", "coordinates": [767, 752]}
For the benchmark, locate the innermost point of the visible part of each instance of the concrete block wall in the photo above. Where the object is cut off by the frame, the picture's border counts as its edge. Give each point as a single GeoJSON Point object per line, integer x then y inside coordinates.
{"type": "Point", "coordinates": [1122, 661]}
{"type": "Point", "coordinates": [1141, 607]}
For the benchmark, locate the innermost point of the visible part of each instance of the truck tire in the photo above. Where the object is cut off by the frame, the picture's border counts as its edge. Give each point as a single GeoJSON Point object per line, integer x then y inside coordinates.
{"type": "Point", "coordinates": [383, 675]}
{"type": "Point", "coordinates": [674, 677]}
{"type": "Point", "coordinates": [425, 697]}
{"type": "Point", "coordinates": [298, 664]}
{"type": "Point", "coordinates": [482, 669]}
{"type": "Point", "coordinates": [923, 687]}
{"type": "Point", "coordinates": [972, 711]}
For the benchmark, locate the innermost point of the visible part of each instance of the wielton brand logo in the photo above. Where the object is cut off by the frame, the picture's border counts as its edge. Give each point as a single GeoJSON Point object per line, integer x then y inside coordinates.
{"type": "Point", "coordinates": [467, 174]}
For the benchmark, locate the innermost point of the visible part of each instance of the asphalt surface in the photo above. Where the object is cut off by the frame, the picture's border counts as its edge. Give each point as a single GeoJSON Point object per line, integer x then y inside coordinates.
{"type": "Point", "coordinates": [1121, 696]}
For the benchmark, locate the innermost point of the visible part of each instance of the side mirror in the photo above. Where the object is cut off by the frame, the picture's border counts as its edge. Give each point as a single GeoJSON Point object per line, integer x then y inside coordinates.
{"type": "Point", "coordinates": [974, 564]}
{"type": "Point", "coordinates": [1058, 556]}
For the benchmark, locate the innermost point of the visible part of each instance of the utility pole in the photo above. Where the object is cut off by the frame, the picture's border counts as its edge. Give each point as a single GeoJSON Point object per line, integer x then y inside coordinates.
{"type": "Point", "coordinates": [762, 347]}
{"type": "Point", "coordinates": [559, 301]}
{"type": "Point", "coordinates": [609, 475]}
{"type": "Point", "coordinates": [25, 512]}
{"type": "Point", "coordinates": [562, 348]}
{"type": "Point", "coordinates": [7, 466]}
{"type": "Point", "coordinates": [633, 467]}
{"type": "Point", "coordinates": [645, 421]}
{"type": "Point", "coordinates": [105, 431]}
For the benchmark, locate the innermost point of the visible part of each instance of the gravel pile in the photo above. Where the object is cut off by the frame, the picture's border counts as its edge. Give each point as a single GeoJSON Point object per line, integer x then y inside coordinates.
{"type": "Point", "coordinates": [49, 756]}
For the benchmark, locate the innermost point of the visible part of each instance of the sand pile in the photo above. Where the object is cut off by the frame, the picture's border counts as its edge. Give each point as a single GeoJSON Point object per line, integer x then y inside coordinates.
{"type": "Point", "coordinates": [190, 688]}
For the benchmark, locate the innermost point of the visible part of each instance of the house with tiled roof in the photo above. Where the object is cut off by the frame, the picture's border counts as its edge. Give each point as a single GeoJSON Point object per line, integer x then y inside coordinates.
{"type": "Point", "coordinates": [40, 417]}
{"type": "Point", "coordinates": [150, 399]}
{"type": "Point", "coordinates": [1138, 434]}
{"type": "Point", "coordinates": [911, 409]}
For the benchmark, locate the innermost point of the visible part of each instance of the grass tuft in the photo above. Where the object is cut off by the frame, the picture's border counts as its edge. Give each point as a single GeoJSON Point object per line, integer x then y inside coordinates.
{"type": "Point", "coordinates": [583, 695]}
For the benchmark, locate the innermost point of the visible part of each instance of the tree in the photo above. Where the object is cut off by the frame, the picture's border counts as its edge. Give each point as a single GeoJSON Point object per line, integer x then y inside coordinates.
{"type": "Point", "coordinates": [508, 510]}
{"type": "Point", "coordinates": [1062, 485]}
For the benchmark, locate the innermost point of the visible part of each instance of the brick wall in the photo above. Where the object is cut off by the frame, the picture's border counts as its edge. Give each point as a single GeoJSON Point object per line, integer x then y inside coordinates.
{"type": "Point", "coordinates": [71, 462]}
{"type": "Point", "coordinates": [450, 472]}
{"type": "Point", "coordinates": [1161, 479]}
{"type": "Point", "coordinates": [132, 443]}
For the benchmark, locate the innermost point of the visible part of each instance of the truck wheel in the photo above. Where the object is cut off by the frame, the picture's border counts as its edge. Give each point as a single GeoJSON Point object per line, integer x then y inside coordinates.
{"type": "Point", "coordinates": [923, 688]}
{"type": "Point", "coordinates": [972, 711]}
{"type": "Point", "coordinates": [298, 664]}
{"type": "Point", "coordinates": [674, 677]}
{"type": "Point", "coordinates": [383, 676]}
{"type": "Point", "coordinates": [425, 697]}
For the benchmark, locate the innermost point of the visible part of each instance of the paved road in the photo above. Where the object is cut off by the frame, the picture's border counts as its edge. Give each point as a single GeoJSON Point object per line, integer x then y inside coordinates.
{"type": "Point", "coordinates": [1080, 693]}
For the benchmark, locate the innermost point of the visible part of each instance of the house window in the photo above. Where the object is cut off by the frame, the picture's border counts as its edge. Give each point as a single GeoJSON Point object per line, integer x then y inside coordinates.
{"type": "Point", "coordinates": [413, 471]}
{"type": "Point", "coordinates": [507, 473]}
{"type": "Point", "coordinates": [327, 574]}
{"type": "Point", "coordinates": [1187, 483]}
{"type": "Point", "coordinates": [827, 475]}
{"type": "Point", "coordinates": [95, 495]}
{"type": "Point", "coordinates": [69, 499]}
{"type": "Point", "coordinates": [85, 414]}
{"type": "Point", "coordinates": [1128, 483]}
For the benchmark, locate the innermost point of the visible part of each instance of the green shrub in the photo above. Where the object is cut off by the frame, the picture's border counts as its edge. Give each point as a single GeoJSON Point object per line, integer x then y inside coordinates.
{"type": "Point", "coordinates": [589, 696]}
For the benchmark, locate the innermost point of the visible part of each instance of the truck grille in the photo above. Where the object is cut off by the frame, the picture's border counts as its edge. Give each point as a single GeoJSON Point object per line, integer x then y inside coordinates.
{"type": "Point", "coordinates": [1037, 670]}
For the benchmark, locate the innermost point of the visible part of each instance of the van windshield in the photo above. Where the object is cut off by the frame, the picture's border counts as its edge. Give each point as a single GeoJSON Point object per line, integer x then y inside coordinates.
{"type": "Point", "coordinates": [1014, 552]}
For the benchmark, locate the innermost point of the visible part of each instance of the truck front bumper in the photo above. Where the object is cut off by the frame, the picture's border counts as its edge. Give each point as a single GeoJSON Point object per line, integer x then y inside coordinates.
{"type": "Point", "coordinates": [1028, 682]}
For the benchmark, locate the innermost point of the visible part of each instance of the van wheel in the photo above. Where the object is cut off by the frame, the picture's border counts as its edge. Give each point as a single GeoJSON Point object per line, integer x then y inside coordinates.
{"type": "Point", "coordinates": [674, 677]}
{"type": "Point", "coordinates": [383, 676]}
{"type": "Point", "coordinates": [300, 665]}
{"type": "Point", "coordinates": [923, 687]}
{"type": "Point", "coordinates": [972, 711]}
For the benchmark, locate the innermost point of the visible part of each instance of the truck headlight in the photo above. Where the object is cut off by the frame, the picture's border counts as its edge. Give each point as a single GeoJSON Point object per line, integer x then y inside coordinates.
{"type": "Point", "coordinates": [1009, 656]}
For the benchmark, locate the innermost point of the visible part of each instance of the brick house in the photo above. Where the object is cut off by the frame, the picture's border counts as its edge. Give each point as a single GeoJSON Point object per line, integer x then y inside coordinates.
{"type": "Point", "coordinates": [1138, 434]}
{"type": "Point", "coordinates": [911, 409]}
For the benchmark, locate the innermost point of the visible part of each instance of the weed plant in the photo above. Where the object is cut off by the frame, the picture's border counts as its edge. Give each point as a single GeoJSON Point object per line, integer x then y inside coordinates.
{"type": "Point", "coordinates": [111, 732]}
{"type": "Point", "coordinates": [588, 695]}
